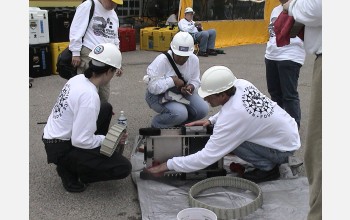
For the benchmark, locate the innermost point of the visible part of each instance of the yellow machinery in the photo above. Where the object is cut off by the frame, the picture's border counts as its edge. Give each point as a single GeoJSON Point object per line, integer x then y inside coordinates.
{"type": "Point", "coordinates": [56, 49]}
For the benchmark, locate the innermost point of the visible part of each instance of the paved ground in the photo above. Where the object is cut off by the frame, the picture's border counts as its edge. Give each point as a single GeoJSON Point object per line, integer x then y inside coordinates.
{"type": "Point", "coordinates": [118, 199]}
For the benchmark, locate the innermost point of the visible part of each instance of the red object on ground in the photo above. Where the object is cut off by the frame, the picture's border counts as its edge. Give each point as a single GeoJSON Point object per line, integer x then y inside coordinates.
{"type": "Point", "coordinates": [237, 168]}
{"type": "Point", "coordinates": [127, 37]}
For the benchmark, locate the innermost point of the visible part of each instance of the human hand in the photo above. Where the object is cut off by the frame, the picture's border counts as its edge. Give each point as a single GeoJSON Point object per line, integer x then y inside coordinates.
{"type": "Point", "coordinates": [187, 90]}
{"type": "Point", "coordinates": [286, 6]}
{"type": "Point", "coordinates": [157, 171]}
{"type": "Point", "coordinates": [124, 138]}
{"type": "Point", "coordinates": [203, 123]}
{"type": "Point", "coordinates": [76, 61]}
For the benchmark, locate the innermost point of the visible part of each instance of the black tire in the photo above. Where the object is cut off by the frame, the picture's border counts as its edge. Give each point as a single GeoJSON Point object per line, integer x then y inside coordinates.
{"type": "Point", "coordinates": [149, 131]}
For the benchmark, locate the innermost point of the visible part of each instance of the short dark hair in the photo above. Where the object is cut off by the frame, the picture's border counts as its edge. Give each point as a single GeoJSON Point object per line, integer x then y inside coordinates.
{"type": "Point", "coordinates": [98, 70]}
{"type": "Point", "coordinates": [229, 92]}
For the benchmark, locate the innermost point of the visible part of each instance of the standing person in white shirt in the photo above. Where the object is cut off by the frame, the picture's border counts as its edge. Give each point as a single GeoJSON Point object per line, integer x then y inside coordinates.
{"type": "Point", "coordinates": [79, 122]}
{"type": "Point", "coordinates": [282, 69]}
{"type": "Point", "coordinates": [309, 13]}
{"type": "Point", "coordinates": [163, 80]}
{"type": "Point", "coordinates": [206, 38]}
{"type": "Point", "coordinates": [83, 36]}
{"type": "Point", "coordinates": [249, 124]}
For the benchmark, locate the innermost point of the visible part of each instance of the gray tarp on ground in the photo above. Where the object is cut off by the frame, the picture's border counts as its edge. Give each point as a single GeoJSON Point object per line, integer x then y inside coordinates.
{"type": "Point", "coordinates": [283, 199]}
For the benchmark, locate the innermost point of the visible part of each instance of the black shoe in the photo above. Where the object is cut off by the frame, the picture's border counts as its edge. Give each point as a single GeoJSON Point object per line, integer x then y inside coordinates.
{"type": "Point", "coordinates": [259, 176]}
{"type": "Point", "coordinates": [212, 52]}
{"type": "Point", "coordinates": [202, 54]}
{"type": "Point", "coordinates": [70, 182]}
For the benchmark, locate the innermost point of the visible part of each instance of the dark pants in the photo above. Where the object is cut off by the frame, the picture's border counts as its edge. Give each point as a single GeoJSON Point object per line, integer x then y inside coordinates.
{"type": "Point", "coordinates": [282, 83]}
{"type": "Point", "coordinates": [89, 164]}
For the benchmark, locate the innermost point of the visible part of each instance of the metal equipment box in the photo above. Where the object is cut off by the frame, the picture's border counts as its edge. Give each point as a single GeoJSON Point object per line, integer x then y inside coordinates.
{"type": "Point", "coordinates": [163, 144]}
{"type": "Point", "coordinates": [56, 49]}
{"type": "Point", "coordinates": [39, 60]}
{"type": "Point", "coordinates": [127, 37]}
{"type": "Point", "coordinates": [38, 26]}
{"type": "Point", "coordinates": [60, 20]}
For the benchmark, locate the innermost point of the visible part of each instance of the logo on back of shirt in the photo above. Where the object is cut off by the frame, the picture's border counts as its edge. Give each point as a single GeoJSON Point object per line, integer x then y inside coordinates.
{"type": "Point", "coordinates": [61, 103]}
{"type": "Point", "coordinates": [256, 103]}
{"type": "Point", "coordinates": [102, 27]}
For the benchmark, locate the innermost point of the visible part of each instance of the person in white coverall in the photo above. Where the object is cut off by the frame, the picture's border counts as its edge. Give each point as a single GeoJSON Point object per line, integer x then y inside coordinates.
{"type": "Point", "coordinates": [249, 124]}
{"type": "Point", "coordinates": [79, 122]}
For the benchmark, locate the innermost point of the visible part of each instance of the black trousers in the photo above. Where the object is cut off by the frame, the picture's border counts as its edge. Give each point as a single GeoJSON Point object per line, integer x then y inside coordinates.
{"type": "Point", "coordinates": [89, 164]}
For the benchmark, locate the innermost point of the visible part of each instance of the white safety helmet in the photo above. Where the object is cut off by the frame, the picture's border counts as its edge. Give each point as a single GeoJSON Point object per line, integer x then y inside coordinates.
{"type": "Point", "coordinates": [182, 44]}
{"type": "Point", "coordinates": [189, 10]}
{"type": "Point", "coordinates": [107, 53]}
{"type": "Point", "coordinates": [216, 79]}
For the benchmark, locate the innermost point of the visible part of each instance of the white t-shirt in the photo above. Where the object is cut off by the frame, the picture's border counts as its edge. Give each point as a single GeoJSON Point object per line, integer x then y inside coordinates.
{"type": "Point", "coordinates": [294, 51]}
{"type": "Point", "coordinates": [160, 72]}
{"type": "Point", "coordinates": [187, 26]}
{"type": "Point", "coordinates": [171, 20]}
{"type": "Point", "coordinates": [75, 114]}
{"type": "Point", "coordinates": [103, 27]}
{"type": "Point", "coordinates": [309, 13]}
{"type": "Point", "coordinates": [250, 116]}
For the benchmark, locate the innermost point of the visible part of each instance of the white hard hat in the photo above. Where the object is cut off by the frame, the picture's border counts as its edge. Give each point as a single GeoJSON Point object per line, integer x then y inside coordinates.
{"type": "Point", "coordinates": [182, 44]}
{"type": "Point", "coordinates": [107, 53]}
{"type": "Point", "coordinates": [216, 79]}
{"type": "Point", "coordinates": [189, 10]}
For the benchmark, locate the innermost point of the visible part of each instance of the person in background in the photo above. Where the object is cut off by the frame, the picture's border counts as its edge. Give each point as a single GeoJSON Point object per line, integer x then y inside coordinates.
{"type": "Point", "coordinates": [282, 69]}
{"type": "Point", "coordinates": [172, 19]}
{"type": "Point", "coordinates": [249, 124]}
{"type": "Point", "coordinates": [309, 13]}
{"type": "Point", "coordinates": [85, 35]}
{"type": "Point", "coordinates": [174, 97]}
{"type": "Point", "coordinates": [206, 38]}
{"type": "Point", "coordinates": [79, 122]}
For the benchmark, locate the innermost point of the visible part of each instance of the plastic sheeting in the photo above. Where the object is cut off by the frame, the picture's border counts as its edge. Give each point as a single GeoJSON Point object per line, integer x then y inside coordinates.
{"type": "Point", "coordinates": [283, 199]}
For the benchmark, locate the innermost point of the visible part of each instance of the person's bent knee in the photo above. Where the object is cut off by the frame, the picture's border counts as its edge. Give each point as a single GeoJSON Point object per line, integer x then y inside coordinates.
{"type": "Point", "coordinates": [106, 107]}
{"type": "Point", "coordinates": [205, 34]}
{"type": "Point", "coordinates": [123, 171]}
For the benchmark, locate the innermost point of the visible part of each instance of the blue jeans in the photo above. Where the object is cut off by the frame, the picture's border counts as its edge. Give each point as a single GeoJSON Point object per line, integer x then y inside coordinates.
{"type": "Point", "coordinates": [282, 83]}
{"type": "Point", "coordinates": [173, 113]}
{"type": "Point", "coordinates": [261, 157]}
{"type": "Point", "coordinates": [206, 39]}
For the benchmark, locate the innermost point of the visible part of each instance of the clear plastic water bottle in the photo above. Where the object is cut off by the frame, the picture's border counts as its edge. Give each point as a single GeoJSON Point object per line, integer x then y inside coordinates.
{"type": "Point", "coordinates": [122, 120]}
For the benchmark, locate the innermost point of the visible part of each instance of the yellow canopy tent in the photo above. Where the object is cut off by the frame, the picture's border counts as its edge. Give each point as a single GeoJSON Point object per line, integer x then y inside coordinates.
{"type": "Point", "coordinates": [237, 32]}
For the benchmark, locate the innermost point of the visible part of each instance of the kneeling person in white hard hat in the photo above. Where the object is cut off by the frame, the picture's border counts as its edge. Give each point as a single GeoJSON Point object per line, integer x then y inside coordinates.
{"type": "Point", "coordinates": [174, 95]}
{"type": "Point", "coordinates": [249, 125]}
{"type": "Point", "coordinates": [79, 122]}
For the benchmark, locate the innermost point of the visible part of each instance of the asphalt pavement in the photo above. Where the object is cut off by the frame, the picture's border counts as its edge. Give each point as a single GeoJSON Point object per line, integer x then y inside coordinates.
{"type": "Point", "coordinates": [118, 199]}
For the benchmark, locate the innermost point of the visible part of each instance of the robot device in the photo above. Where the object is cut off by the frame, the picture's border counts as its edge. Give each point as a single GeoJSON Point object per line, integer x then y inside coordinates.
{"type": "Point", "coordinates": [163, 144]}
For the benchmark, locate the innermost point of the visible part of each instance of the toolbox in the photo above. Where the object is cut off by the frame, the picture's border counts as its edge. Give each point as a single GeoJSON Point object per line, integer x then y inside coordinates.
{"type": "Point", "coordinates": [127, 37]}
{"type": "Point", "coordinates": [146, 38]}
{"type": "Point", "coordinates": [56, 49]}
{"type": "Point", "coordinates": [60, 20]}
{"type": "Point", "coordinates": [157, 39]}
{"type": "Point", "coordinates": [38, 26]}
{"type": "Point", "coordinates": [39, 60]}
